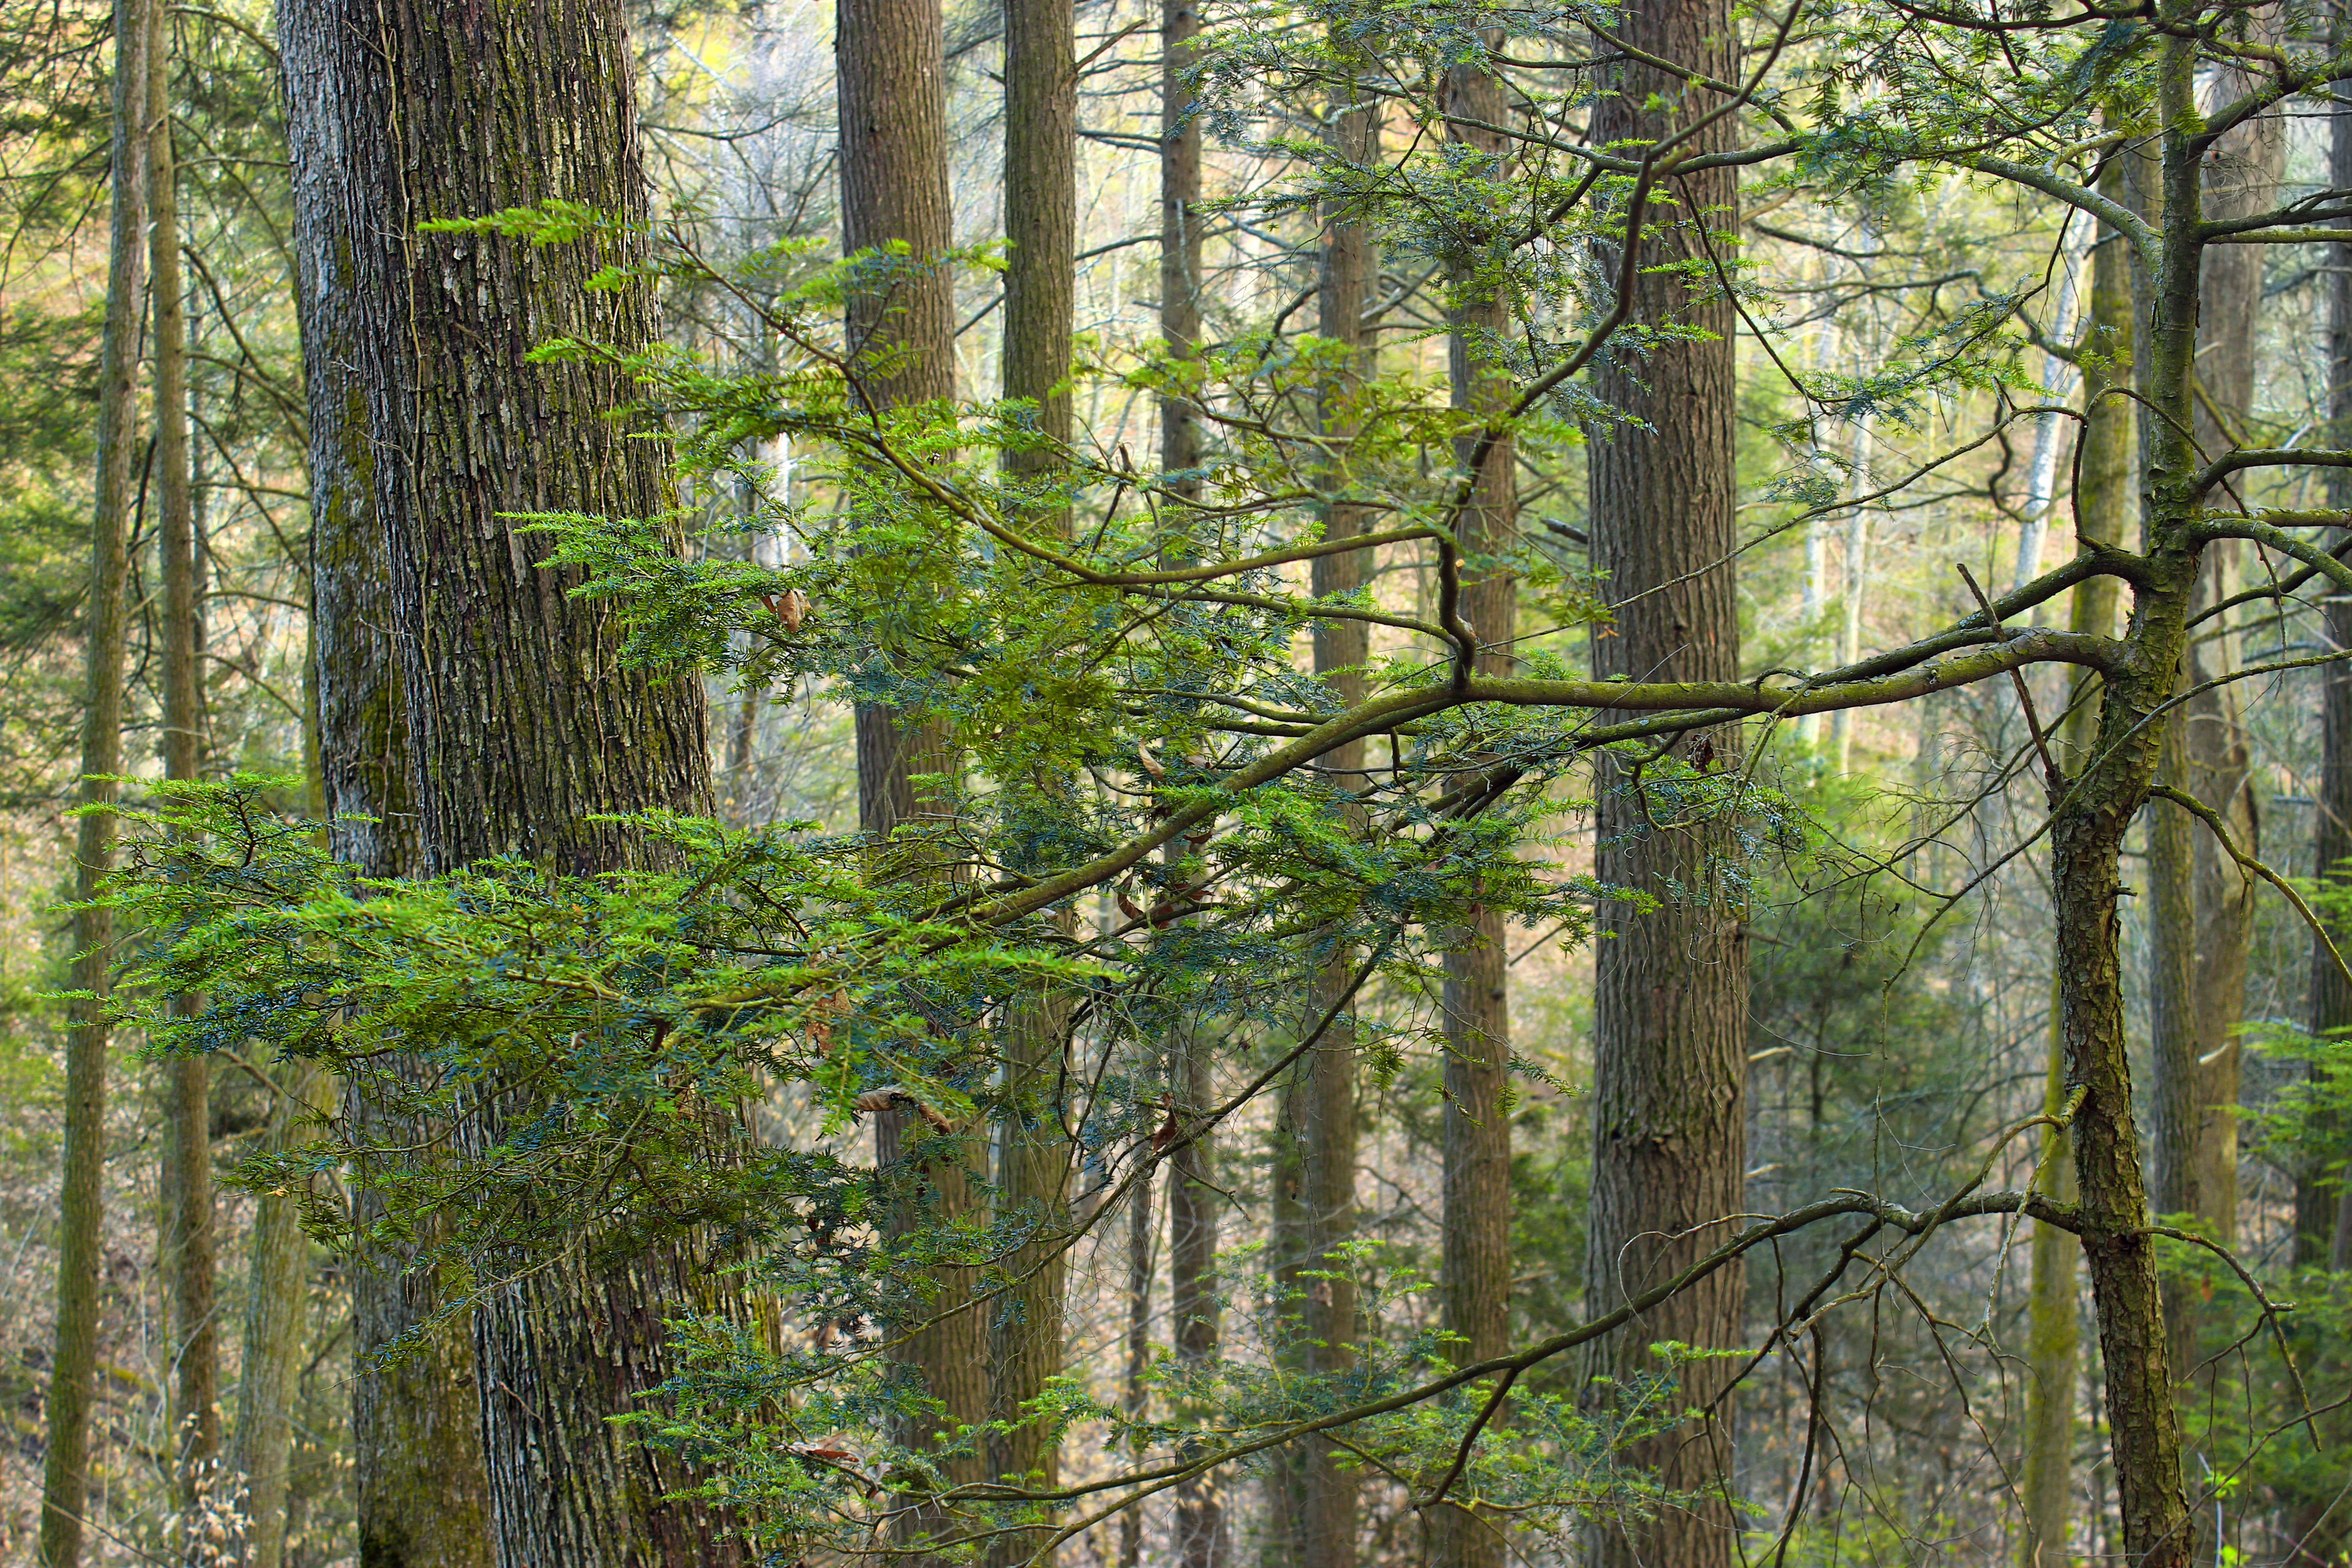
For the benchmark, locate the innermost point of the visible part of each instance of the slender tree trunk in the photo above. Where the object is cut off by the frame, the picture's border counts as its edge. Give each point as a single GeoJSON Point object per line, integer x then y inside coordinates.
{"type": "Point", "coordinates": [1041, 206]}
{"type": "Point", "coordinates": [1669, 1119]}
{"type": "Point", "coordinates": [1134, 1400]}
{"type": "Point", "coordinates": [1475, 1266]}
{"type": "Point", "coordinates": [73, 1366]}
{"type": "Point", "coordinates": [2323, 1207]}
{"type": "Point", "coordinates": [1201, 1538]}
{"type": "Point", "coordinates": [2049, 430]}
{"type": "Point", "coordinates": [2088, 822]}
{"type": "Point", "coordinates": [1197, 1316]}
{"type": "Point", "coordinates": [2317, 1521]}
{"type": "Point", "coordinates": [2104, 497]}
{"type": "Point", "coordinates": [521, 720]}
{"type": "Point", "coordinates": [1855, 582]}
{"type": "Point", "coordinates": [2243, 177]}
{"type": "Point", "coordinates": [278, 1299]}
{"type": "Point", "coordinates": [189, 1242]}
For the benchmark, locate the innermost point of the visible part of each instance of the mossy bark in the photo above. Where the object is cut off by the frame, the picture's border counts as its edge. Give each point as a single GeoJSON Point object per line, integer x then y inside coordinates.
{"type": "Point", "coordinates": [518, 719]}
{"type": "Point", "coordinates": [2104, 502]}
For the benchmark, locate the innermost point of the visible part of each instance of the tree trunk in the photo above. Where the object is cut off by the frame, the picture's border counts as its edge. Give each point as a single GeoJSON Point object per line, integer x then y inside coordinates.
{"type": "Point", "coordinates": [65, 1482]}
{"type": "Point", "coordinates": [1041, 206]}
{"type": "Point", "coordinates": [189, 1241]}
{"type": "Point", "coordinates": [1179, 235]}
{"type": "Point", "coordinates": [1197, 1322]}
{"type": "Point", "coordinates": [1202, 1538]}
{"type": "Point", "coordinates": [2104, 497]}
{"type": "Point", "coordinates": [2318, 1521]}
{"type": "Point", "coordinates": [522, 720]}
{"type": "Point", "coordinates": [891, 80]}
{"type": "Point", "coordinates": [1475, 1266]}
{"type": "Point", "coordinates": [2243, 177]}
{"type": "Point", "coordinates": [1134, 1400]}
{"type": "Point", "coordinates": [2323, 1206]}
{"type": "Point", "coordinates": [2088, 822]}
{"type": "Point", "coordinates": [1669, 1119]}
{"type": "Point", "coordinates": [422, 1492]}
{"type": "Point", "coordinates": [278, 1301]}
{"type": "Point", "coordinates": [1314, 1496]}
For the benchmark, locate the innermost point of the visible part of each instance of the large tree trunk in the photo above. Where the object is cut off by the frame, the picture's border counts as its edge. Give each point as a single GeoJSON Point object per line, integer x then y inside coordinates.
{"type": "Point", "coordinates": [73, 1366]}
{"type": "Point", "coordinates": [891, 79]}
{"type": "Point", "coordinates": [2104, 498]}
{"type": "Point", "coordinates": [1041, 202]}
{"type": "Point", "coordinates": [1476, 1267]}
{"type": "Point", "coordinates": [521, 720]}
{"type": "Point", "coordinates": [1669, 1119]}
{"type": "Point", "coordinates": [189, 1240]}
{"type": "Point", "coordinates": [422, 1493]}
{"type": "Point", "coordinates": [1314, 1496]}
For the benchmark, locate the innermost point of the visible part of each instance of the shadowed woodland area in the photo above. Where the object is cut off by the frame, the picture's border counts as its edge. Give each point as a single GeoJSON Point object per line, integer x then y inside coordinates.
{"type": "Point", "coordinates": [1021, 783]}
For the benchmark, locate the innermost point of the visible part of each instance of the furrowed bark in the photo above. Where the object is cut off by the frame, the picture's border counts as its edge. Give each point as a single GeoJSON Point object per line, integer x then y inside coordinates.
{"type": "Point", "coordinates": [1476, 1266]}
{"type": "Point", "coordinates": [1041, 198]}
{"type": "Point", "coordinates": [1195, 1316]}
{"type": "Point", "coordinates": [1669, 1121]}
{"type": "Point", "coordinates": [1313, 1494]}
{"type": "Point", "coordinates": [2087, 829]}
{"type": "Point", "coordinates": [1180, 236]}
{"type": "Point", "coordinates": [520, 719]}
{"type": "Point", "coordinates": [65, 1480]}
{"type": "Point", "coordinates": [422, 1490]}
{"type": "Point", "coordinates": [891, 80]}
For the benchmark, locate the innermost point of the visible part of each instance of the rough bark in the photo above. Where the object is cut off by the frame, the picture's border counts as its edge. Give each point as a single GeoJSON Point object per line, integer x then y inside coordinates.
{"type": "Point", "coordinates": [1041, 206]}
{"type": "Point", "coordinates": [189, 1241]}
{"type": "Point", "coordinates": [1314, 1497]}
{"type": "Point", "coordinates": [2104, 496]}
{"type": "Point", "coordinates": [1476, 1266]}
{"type": "Point", "coordinates": [891, 86]}
{"type": "Point", "coordinates": [2088, 823]}
{"type": "Point", "coordinates": [520, 719]}
{"type": "Point", "coordinates": [1669, 1121]}
{"type": "Point", "coordinates": [65, 1483]}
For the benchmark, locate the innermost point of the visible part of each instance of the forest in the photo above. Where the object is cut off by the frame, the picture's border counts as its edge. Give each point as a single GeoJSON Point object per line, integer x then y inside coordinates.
{"type": "Point", "coordinates": [1191, 782]}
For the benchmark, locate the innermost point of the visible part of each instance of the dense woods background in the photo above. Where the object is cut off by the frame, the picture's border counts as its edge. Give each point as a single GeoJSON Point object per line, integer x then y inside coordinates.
{"type": "Point", "coordinates": [1130, 782]}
